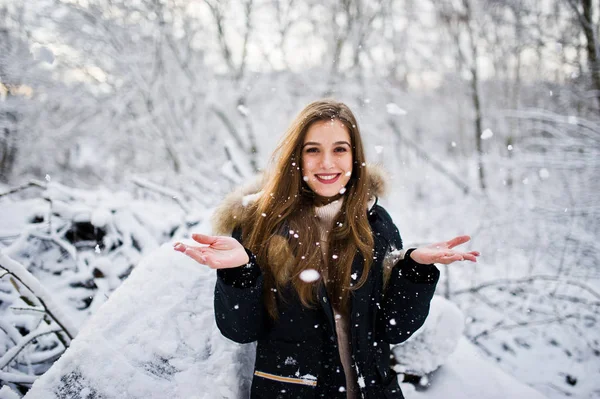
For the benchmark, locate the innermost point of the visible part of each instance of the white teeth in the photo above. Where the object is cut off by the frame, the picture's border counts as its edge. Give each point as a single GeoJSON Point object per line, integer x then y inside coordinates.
{"type": "Point", "coordinates": [326, 177]}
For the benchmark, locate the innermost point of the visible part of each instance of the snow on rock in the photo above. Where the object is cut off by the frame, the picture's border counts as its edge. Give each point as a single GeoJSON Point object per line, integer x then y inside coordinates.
{"type": "Point", "coordinates": [155, 337]}
{"type": "Point", "coordinates": [429, 348]}
{"type": "Point", "coordinates": [466, 375]}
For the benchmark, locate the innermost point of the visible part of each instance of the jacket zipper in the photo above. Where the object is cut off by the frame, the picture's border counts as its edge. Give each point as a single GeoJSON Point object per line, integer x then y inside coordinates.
{"type": "Point", "coordinates": [289, 380]}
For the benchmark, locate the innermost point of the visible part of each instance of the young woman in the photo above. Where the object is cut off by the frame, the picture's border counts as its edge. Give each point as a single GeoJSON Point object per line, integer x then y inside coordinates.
{"type": "Point", "coordinates": [315, 271]}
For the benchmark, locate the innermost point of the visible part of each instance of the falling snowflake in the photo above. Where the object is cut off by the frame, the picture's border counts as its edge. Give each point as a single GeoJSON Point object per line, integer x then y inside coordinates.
{"type": "Point", "coordinates": [487, 134]}
{"type": "Point", "coordinates": [290, 361]}
{"type": "Point", "coordinates": [309, 275]}
{"type": "Point", "coordinates": [243, 110]}
{"type": "Point", "coordinates": [394, 109]}
{"type": "Point", "coordinates": [361, 381]}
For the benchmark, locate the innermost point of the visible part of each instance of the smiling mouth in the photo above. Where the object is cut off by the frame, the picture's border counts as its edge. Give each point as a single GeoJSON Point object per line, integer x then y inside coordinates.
{"type": "Point", "coordinates": [329, 178]}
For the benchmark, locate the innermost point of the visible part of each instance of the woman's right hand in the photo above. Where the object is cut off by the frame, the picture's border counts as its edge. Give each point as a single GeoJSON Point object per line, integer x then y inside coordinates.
{"type": "Point", "coordinates": [217, 252]}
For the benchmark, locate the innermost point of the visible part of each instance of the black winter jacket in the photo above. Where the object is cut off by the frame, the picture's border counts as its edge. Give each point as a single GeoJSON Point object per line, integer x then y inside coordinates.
{"type": "Point", "coordinates": [297, 356]}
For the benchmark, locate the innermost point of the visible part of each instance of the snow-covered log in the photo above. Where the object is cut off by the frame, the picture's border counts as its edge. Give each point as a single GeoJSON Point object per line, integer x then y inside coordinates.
{"type": "Point", "coordinates": [155, 337]}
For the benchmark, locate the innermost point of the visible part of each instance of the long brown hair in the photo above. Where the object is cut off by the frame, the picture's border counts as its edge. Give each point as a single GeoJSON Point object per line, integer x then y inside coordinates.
{"type": "Point", "coordinates": [286, 203]}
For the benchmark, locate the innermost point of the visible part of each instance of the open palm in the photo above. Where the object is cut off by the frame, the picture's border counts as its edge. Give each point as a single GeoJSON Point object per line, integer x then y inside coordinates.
{"type": "Point", "coordinates": [443, 252]}
{"type": "Point", "coordinates": [217, 252]}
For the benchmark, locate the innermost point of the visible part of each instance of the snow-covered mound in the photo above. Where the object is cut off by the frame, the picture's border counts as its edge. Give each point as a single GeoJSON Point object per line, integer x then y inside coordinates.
{"type": "Point", "coordinates": [466, 375]}
{"type": "Point", "coordinates": [155, 337]}
{"type": "Point", "coordinates": [430, 347]}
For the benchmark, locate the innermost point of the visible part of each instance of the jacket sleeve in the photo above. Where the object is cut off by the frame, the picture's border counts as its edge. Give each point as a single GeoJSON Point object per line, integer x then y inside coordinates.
{"type": "Point", "coordinates": [239, 309]}
{"type": "Point", "coordinates": [406, 300]}
{"type": "Point", "coordinates": [408, 293]}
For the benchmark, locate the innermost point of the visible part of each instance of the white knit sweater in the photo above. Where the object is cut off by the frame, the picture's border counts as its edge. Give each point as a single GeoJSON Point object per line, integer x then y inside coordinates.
{"type": "Point", "coordinates": [326, 215]}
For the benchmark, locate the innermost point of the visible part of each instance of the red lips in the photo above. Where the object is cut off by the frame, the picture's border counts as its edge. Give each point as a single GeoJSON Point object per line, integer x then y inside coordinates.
{"type": "Point", "coordinates": [328, 181]}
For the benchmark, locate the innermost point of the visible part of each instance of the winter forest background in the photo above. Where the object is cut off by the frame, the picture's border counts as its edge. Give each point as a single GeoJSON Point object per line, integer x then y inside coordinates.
{"type": "Point", "coordinates": [124, 122]}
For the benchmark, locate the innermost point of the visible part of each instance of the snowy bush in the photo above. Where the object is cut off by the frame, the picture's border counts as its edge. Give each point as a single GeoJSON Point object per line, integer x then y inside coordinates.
{"type": "Point", "coordinates": [434, 342]}
{"type": "Point", "coordinates": [81, 245]}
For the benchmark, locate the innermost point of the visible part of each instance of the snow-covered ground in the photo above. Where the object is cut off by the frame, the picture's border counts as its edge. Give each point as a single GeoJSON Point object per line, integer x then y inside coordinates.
{"type": "Point", "coordinates": [466, 375]}
{"type": "Point", "coordinates": [156, 337]}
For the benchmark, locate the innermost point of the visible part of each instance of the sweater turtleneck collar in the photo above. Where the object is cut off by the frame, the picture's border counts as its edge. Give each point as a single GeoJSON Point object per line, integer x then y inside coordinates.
{"type": "Point", "coordinates": [326, 213]}
{"type": "Point", "coordinates": [320, 201]}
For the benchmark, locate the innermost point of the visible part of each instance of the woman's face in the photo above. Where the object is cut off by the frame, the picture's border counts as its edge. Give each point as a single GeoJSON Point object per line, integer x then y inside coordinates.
{"type": "Point", "coordinates": [327, 158]}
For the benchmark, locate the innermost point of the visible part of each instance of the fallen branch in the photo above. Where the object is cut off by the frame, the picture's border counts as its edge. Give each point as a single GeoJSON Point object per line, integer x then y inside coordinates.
{"type": "Point", "coordinates": [32, 183]}
{"type": "Point", "coordinates": [17, 378]}
{"type": "Point", "coordinates": [527, 280]}
{"type": "Point", "coordinates": [23, 342]}
{"type": "Point", "coordinates": [33, 285]}
{"type": "Point", "coordinates": [501, 327]}
{"type": "Point", "coordinates": [163, 191]}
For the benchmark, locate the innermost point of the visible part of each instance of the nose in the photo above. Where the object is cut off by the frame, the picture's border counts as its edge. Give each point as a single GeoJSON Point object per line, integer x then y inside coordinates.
{"type": "Point", "coordinates": [327, 161]}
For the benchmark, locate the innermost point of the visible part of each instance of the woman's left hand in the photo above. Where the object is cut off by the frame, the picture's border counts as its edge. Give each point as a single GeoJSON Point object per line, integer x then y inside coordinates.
{"type": "Point", "coordinates": [442, 252]}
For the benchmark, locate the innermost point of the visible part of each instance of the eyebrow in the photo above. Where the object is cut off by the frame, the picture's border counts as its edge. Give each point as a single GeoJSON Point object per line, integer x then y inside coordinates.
{"type": "Point", "coordinates": [315, 143]}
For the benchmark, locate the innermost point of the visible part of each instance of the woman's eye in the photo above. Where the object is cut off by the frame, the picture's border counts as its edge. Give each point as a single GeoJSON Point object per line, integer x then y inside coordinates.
{"type": "Point", "coordinates": [340, 149]}
{"type": "Point", "coordinates": [314, 149]}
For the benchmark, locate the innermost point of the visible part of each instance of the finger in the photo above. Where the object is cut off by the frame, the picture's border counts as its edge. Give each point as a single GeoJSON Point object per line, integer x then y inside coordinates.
{"type": "Point", "coordinates": [204, 239]}
{"type": "Point", "coordinates": [447, 259]}
{"type": "Point", "coordinates": [475, 253]}
{"type": "Point", "coordinates": [457, 241]}
{"type": "Point", "coordinates": [181, 247]}
{"type": "Point", "coordinates": [469, 256]}
{"type": "Point", "coordinates": [196, 255]}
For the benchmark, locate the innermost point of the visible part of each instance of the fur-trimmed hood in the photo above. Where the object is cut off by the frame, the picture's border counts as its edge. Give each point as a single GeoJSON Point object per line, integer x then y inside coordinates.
{"type": "Point", "coordinates": [232, 211]}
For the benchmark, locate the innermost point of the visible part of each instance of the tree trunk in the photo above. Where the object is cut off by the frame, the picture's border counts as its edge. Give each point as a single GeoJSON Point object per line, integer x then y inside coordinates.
{"type": "Point", "coordinates": [8, 147]}
{"type": "Point", "coordinates": [475, 95]}
{"type": "Point", "coordinates": [587, 24]}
